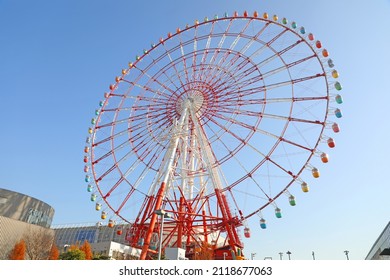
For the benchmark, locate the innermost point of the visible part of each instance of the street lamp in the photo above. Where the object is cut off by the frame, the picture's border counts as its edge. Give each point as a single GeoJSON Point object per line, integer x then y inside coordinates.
{"type": "Point", "coordinates": [281, 255]}
{"type": "Point", "coordinates": [225, 255]}
{"type": "Point", "coordinates": [346, 253]}
{"type": "Point", "coordinates": [66, 246]}
{"type": "Point", "coordinates": [163, 214]}
{"type": "Point", "coordinates": [253, 256]}
{"type": "Point", "coordinates": [314, 257]}
{"type": "Point", "coordinates": [288, 253]}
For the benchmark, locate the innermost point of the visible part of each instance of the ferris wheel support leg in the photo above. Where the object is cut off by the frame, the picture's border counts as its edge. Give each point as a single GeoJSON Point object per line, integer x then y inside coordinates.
{"type": "Point", "coordinates": [229, 222]}
{"type": "Point", "coordinates": [153, 220]}
{"type": "Point", "coordinates": [227, 219]}
{"type": "Point", "coordinates": [170, 157]}
{"type": "Point", "coordinates": [180, 228]}
{"type": "Point", "coordinates": [205, 226]}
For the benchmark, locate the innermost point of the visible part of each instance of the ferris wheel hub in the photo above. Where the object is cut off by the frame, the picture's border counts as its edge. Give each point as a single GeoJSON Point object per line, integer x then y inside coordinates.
{"type": "Point", "coordinates": [192, 100]}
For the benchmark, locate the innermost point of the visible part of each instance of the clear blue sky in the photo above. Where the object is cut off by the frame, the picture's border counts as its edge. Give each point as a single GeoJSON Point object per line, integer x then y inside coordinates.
{"type": "Point", "coordinates": [57, 58]}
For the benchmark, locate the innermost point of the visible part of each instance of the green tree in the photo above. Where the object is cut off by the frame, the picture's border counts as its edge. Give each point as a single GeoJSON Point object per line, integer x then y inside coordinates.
{"type": "Point", "coordinates": [73, 254]}
{"type": "Point", "coordinates": [100, 257]}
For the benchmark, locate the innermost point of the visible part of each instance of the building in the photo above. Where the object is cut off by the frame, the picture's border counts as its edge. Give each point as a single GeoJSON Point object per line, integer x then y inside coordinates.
{"type": "Point", "coordinates": [22, 216]}
{"type": "Point", "coordinates": [381, 248]}
{"type": "Point", "coordinates": [93, 233]}
{"type": "Point", "coordinates": [104, 240]}
{"type": "Point", "coordinates": [115, 250]}
{"type": "Point", "coordinates": [175, 254]}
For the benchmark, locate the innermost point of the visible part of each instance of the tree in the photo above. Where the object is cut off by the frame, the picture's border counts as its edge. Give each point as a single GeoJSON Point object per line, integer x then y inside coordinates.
{"type": "Point", "coordinates": [19, 251]}
{"type": "Point", "coordinates": [74, 247]}
{"type": "Point", "coordinates": [73, 254]}
{"type": "Point", "coordinates": [100, 257]}
{"type": "Point", "coordinates": [54, 253]}
{"type": "Point", "coordinates": [204, 251]}
{"type": "Point", "coordinates": [38, 243]}
{"type": "Point", "coordinates": [86, 248]}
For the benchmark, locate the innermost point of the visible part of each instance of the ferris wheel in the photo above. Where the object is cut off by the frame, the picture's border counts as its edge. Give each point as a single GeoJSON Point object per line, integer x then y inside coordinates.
{"type": "Point", "coordinates": [209, 127]}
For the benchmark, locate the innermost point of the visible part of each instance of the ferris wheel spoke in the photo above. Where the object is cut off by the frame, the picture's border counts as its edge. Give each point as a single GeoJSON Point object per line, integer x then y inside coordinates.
{"type": "Point", "coordinates": [217, 50]}
{"type": "Point", "coordinates": [141, 129]}
{"type": "Point", "coordinates": [248, 173]}
{"type": "Point", "coordinates": [257, 66]}
{"type": "Point", "coordinates": [154, 80]}
{"type": "Point", "coordinates": [139, 181]}
{"type": "Point", "coordinates": [241, 79]}
{"type": "Point", "coordinates": [109, 153]}
{"type": "Point", "coordinates": [253, 39]}
{"type": "Point", "coordinates": [143, 115]}
{"type": "Point", "coordinates": [194, 54]}
{"type": "Point", "coordinates": [268, 196]}
{"type": "Point", "coordinates": [155, 99]}
{"type": "Point", "coordinates": [269, 73]}
{"type": "Point", "coordinates": [278, 54]}
{"type": "Point", "coordinates": [138, 160]}
{"type": "Point", "coordinates": [184, 61]}
{"type": "Point", "coordinates": [287, 66]}
{"type": "Point", "coordinates": [149, 89]}
{"type": "Point", "coordinates": [111, 168]}
{"type": "Point", "coordinates": [108, 137]}
{"type": "Point", "coordinates": [144, 134]}
{"type": "Point", "coordinates": [170, 64]}
{"type": "Point", "coordinates": [232, 67]}
{"type": "Point", "coordinates": [268, 158]}
{"type": "Point", "coordinates": [125, 200]}
{"type": "Point", "coordinates": [235, 121]}
{"type": "Point", "coordinates": [276, 85]}
{"type": "Point", "coordinates": [225, 129]}
{"type": "Point", "coordinates": [239, 35]}
{"type": "Point", "coordinates": [241, 83]}
{"type": "Point", "coordinates": [147, 107]}
{"type": "Point", "coordinates": [230, 49]}
{"type": "Point", "coordinates": [132, 119]}
{"type": "Point", "coordinates": [207, 46]}
{"type": "Point", "coordinates": [114, 187]}
{"type": "Point", "coordinates": [140, 135]}
{"type": "Point", "coordinates": [289, 118]}
{"type": "Point", "coordinates": [116, 122]}
{"type": "Point", "coordinates": [121, 121]}
{"type": "Point", "coordinates": [283, 139]}
{"type": "Point", "coordinates": [177, 73]}
{"type": "Point", "coordinates": [240, 112]}
{"type": "Point", "coordinates": [229, 104]}
{"type": "Point", "coordinates": [217, 76]}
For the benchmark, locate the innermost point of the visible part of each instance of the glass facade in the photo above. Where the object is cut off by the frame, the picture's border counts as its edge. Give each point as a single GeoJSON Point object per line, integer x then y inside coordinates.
{"type": "Point", "coordinates": [67, 235]}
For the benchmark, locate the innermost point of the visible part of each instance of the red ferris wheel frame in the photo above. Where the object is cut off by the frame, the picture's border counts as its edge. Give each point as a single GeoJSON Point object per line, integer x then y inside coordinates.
{"type": "Point", "coordinates": [205, 126]}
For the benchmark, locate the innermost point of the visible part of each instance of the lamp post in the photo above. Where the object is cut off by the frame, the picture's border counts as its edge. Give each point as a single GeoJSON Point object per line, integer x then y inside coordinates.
{"type": "Point", "coordinates": [163, 214]}
{"type": "Point", "coordinates": [253, 256]}
{"type": "Point", "coordinates": [346, 254]}
{"type": "Point", "coordinates": [66, 246]}
{"type": "Point", "coordinates": [289, 255]}
{"type": "Point", "coordinates": [281, 255]}
{"type": "Point", "coordinates": [224, 255]}
{"type": "Point", "coordinates": [314, 257]}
